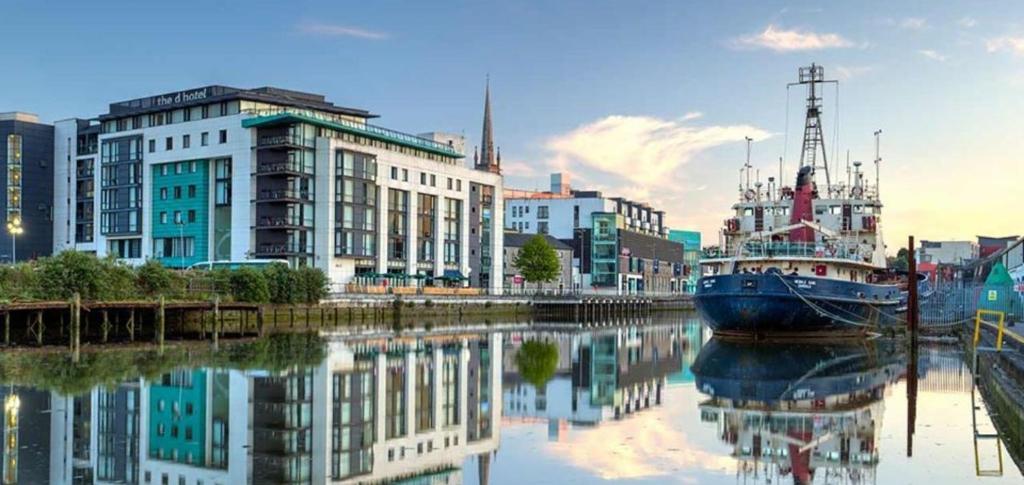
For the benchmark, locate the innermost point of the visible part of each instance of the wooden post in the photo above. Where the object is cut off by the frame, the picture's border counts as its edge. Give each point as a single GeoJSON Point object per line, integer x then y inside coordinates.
{"type": "Point", "coordinates": [106, 325]}
{"type": "Point", "coordinates": [275, 317]}
{"type": "Point", "coordinates": [216, 319]}
{"type": "Point", "coordinates": [76, 326]}
{"type": "Point", "coordinates": [161, 323]}
{"type": "Point", "coordinates": [291, 316]}
{"type": "Point", "coordinates": [131, 325]}
{"type": "Point", "coordinates": [40, 328]}
{"type": "Point", "coordinates": [259, 320]}
{"type": "Point", "coordinates": [7, 327]}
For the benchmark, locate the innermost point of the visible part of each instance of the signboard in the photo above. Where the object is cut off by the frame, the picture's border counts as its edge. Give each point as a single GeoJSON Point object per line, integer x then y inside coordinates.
{"type": "Point", "coordinates": [993, 295]}
{"type": "Point", "coordinates": [517, 279]}
{"type": "Point", "coordinates": [1018, 278]}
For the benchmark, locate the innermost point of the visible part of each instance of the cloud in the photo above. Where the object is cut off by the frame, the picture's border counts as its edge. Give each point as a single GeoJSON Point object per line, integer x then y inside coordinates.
{"type": "Point", "coordinates": [967, 22]}
{"type": "Point", "coordinates": [333, 30]}
{"type": "Point", "coordinates": [914, 23]}
{"type": "Point", "coordinates": [518, 168]}
{"type": "Point", "coordinates": [844, 73]}
{"type": "Point", "coordinates": [640, 150]}
{"type": "Point", "coordinates": [692, 115]}
{"type": "Point", "coordinates": [1005, 43]}
{"type": "Point", "coordinates": [782, 40]}
{"type": "Point", "coordinates": [933, 55]}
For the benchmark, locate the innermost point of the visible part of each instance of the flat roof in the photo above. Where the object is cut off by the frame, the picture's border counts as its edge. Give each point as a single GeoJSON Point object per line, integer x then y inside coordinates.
{"type": "Point", "coordinates": [218, 93]}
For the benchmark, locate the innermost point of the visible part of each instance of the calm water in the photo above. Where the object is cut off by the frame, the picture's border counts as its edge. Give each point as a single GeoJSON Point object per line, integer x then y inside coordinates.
{"type": "Point", "coordinates": [659, 403]}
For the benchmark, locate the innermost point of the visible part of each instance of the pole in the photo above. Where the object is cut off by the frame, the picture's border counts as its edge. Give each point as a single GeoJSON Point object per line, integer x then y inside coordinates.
{"type": "Point", "coordinates": [161, 324]}
{"type": "Point", "coordinates": [911, 290]}
{"type": "Point", "coordinates": [878, 161]}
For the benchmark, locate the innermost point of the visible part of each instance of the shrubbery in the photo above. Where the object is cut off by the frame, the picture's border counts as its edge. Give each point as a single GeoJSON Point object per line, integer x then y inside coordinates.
{"type": "Point", "coordinates": [61, 276]}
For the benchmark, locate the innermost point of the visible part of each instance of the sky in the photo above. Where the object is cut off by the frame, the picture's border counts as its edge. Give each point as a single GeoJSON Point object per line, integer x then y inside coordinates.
{"type": "Point", "coordinates": [645, 100]}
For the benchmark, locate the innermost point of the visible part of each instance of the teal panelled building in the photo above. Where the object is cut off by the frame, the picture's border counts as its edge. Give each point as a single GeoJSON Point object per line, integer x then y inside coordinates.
{"type": "Point", "coordinates": [181, 212]}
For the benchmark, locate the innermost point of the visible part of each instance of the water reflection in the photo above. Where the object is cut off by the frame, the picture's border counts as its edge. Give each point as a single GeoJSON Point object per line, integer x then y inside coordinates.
{"type": "Point", "coordinates": [799, 410]}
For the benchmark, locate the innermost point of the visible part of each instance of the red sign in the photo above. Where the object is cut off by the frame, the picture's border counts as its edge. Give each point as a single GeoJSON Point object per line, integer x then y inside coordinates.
{"type": "Point", "coordinates": [517, 279]}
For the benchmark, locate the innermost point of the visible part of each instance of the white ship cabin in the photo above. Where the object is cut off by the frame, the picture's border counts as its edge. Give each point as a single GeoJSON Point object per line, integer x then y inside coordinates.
{"type": "Point", "coordinates": [847, 231]}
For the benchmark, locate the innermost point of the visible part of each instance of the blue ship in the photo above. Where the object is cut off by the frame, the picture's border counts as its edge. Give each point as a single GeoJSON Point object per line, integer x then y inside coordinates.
{"type": "Point", "coordinates": [802, 259]}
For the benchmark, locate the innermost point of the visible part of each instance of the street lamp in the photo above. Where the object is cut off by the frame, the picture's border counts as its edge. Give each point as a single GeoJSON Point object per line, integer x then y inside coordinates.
{"type": "Point", "coordinates": [14, 227]}
{"type": "Point", "coordinates": [181, 241]}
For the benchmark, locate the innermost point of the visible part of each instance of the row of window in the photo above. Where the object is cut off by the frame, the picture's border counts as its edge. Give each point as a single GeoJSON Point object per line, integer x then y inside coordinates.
{"type": "Point", "coordinates": [173, 116]}
{"type": "Point", "coordinates": [425, 179]}
{"type": "Point", "coordinates": [186, 141]}
{"type": "Point", "coordinates": [192, 192]}
{"type": "Point", "coordinates": [178, 217]}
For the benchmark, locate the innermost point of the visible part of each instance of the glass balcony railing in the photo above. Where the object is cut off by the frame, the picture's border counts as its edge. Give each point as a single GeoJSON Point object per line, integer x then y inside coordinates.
{"type": "Point", "coordinates": [285, 140]}
{"type": "Point", "coordinates": [284, 167]}
{"type": "Point", "coordinates": [284, 195]}
{"type": "Point", "coordinates": [283, 222]}
{"type": "Point", "coordinates": [810, 250]}
{"type": "Point", "coordinates": [283, 249]}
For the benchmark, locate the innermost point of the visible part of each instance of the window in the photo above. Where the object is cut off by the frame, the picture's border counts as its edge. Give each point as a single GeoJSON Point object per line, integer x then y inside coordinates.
{"type": "Point", "coordinates": [152, 146]}
{"type": "Point", "coordinates": [405, 175]}
{"type": "Point", "coordinates": [394, 173]}
{"type": "Point", "coordinates": [542, 212]}
{"type": "Point", "coordinates": [163, 169]}
{"type": "Point", "coordinates": [423, 178]}
{"type": "Point", "coordinates": [177, 192]}
{"type": "Point", "coordinates": [163, 193]}
{"type": "Point", "coordinates": [193, 166]}
{"type": "Point", "coordinates": [433, 180]}
{"type": "Point", "coordinates": [179, 168]}
{"type": "Point", "coordinates": [458, 185]}
{"type": "Point", "coordinates": [223, 136]}
{"type": "Point", "coordinates": [163, 218]}
{"type": "Point", "coordinates": [191, 215]}
{"type": "Point", "coordinates": [191, 191]}
{"type": "Point", "coordinates": [169, 143]}
{"type": "Point", "coordinates": [204, 138]}
{"type": "Point", "coordinates": [222, 185]}
{"type": "Point", "coordinates": [206, 111]}
{"type": "Point", "coordinates": [177, 217]}
{"type": "Point", "coordinates": [542, 227]}
{"type": "Point", "coordinates": [186, 141]}
{"type": "Point", "coordinates": [451, 185]}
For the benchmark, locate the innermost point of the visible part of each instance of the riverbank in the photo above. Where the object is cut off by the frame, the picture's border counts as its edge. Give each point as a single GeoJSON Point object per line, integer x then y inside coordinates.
{"type": "Point", "coordinates": [1000, 380]}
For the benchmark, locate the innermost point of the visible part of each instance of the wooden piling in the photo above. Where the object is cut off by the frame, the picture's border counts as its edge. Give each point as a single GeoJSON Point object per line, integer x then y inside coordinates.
{"type": "Point", "coordinates": [216, 319]}
{"type": "Point", "coordinates": [259, 321]}
{"type": "Point", "coordinates": [106, 325]}
{"type": "Point", "coordinates": [161, 323]}
{"type": "Point", "coordinates": [7, 327]}
{"type": "Point", "coordinates": [40, 329]}
{"type": "Point", "coordinates": [131, 325]}
{"type": "Point", "coordinates": [76, 327]}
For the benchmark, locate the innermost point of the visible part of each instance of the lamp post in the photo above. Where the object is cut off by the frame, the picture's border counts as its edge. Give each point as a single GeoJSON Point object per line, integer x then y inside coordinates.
{"type": "Point", "coordinates": [181, 241]}
{"type": "Point", "coordinates": [14, 227]}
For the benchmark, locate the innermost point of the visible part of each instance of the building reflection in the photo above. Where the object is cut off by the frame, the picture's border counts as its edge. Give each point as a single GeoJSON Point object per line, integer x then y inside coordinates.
{"type": "Point", "coordinates": [799, 410]}
{"type": "Point", "coordinates": [602, 374]}
{"type": "Point", "coordinates": [374, 410]}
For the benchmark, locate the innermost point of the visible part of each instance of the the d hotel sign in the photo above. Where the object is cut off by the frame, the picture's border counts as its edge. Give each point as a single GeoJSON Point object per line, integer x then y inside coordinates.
{"type": "Point", "coordinates": [180, 97]}
{"type": "Point", "coordinates": [169, 100]}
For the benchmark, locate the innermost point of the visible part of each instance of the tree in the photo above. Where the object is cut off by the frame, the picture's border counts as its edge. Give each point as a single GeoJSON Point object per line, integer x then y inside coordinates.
{"type": "Point", "coordinates": [899, 263]}
{"type": "Point", "coordinates": [537, 261]}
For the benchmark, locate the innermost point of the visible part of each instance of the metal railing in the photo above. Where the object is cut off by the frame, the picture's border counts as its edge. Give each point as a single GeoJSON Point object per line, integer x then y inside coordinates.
{"type": "Point", "coordinates": [811, 250]}
{"type": "Point", "coordinates": [288, 166]}
{"type": "Point", "coordinates": [270, 222]}
{"type": "Point", "coordinates": [284, 194]}
{"type": "Point", "coordinates": [284, 248]}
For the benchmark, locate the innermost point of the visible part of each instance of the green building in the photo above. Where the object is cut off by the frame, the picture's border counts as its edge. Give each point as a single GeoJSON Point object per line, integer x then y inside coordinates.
{"type": "Point", "coordinates": [691, 256]}
{"type": "Point", "coordinates": [181, 213]}
{"type": "Point", "coordinates": [177, 417]}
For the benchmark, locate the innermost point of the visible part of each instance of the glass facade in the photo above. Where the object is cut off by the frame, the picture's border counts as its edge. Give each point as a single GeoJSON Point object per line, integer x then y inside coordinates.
{"type": "Point", "coordinates": [398, 226]}
{"type": "Point", "coordinates": [452, 231]}
{"type": "Point", "coordinates": [355, 204]}
{"type": "Point", "coordinates": [222, 209]}
{"type": "Point", "coordinates": [605, 249]}
{"type": "Point", "coordinates": [285, 172]}
{"type": "Point", "coordinates": [14, 172]}
{"type": "Point", "coordinates": [353, 410]}
{"type": "Point", "coordinates": [121, 182]}
{"type": "Point", "coordinates": [426, 214]}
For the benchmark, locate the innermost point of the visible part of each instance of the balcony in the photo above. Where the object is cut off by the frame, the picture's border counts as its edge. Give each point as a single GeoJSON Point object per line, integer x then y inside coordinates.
{"type": "Point", "coordinates": [284, 168]}
{"type": "Point", "coordinates": [87, 149]}
{"type": "Point", "coordinates": [85, 172]}
{"type": "Point", "coordinates": [284, 195]}
{"type": "Point", "coordinates": [283, 223]}
{"type": "Point", "coordinates": [284, 249]}
{"type": "Point", "coordinates": [284, 141]}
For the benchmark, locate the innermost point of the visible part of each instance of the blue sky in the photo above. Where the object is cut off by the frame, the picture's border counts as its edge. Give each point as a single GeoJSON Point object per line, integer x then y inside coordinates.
{"type": "Point", "coordinates": [649, 100]}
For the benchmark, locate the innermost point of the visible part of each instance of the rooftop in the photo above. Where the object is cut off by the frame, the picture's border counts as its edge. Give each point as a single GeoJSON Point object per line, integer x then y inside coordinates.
{"type": "Point", "coordinates": [518, 240]}
{"type": "Point", "coordinates": [19, 116]}
{"type": "Point", "coordinates": [217, 93]}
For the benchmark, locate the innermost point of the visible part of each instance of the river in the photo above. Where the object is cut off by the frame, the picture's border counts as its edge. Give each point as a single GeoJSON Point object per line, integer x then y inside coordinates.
{"type": "Point", "coordinates": [636, 402]}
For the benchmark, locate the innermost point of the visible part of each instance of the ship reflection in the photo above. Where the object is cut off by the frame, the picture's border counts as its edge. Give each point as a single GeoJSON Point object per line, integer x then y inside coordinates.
{"type": "Point", "coordinates": [807, 411]}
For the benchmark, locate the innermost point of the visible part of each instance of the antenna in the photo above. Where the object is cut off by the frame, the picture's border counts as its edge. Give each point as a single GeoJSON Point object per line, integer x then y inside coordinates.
{"type": "Point", "coordinates": [780, 176]}
{"type": "Point", "coordinates": [878, 161]}
{"type": "Point", "coordinates": [848, 170]}
{"type": "Point", "coordinates": [747, 165]}
{"type": "Point", "coordinates": [813, 138]}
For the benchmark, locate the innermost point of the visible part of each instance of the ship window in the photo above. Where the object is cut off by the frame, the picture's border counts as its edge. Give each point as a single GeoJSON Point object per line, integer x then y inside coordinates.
{"type": "Point", "coordinates": [835, 209]}
{"type": "Point", "coordinates": [820, 210]}
{"type": "Point", "coordinates": [783, 211]}
{"type": "Point", "coordinates": [858, 209]}
{"type": "Point", "coordinates": [748, 211]}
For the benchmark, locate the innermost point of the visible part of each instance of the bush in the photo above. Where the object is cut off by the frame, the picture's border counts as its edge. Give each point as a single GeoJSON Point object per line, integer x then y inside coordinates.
{"type": "Point", "coordinates": [283, 284]}
{"type": "Point", "coordinates": [249, 285]}
{"type": "Point", "coordinates": [19, 282]}
{"type": "Point", "coordinates": [153, 279]}
{"type": "Point", "coordinates": [312, 284]}
{"type": "Point", "coordinates": [71, 272]}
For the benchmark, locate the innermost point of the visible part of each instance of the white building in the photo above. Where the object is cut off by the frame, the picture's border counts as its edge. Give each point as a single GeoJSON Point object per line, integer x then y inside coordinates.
{"type": "Point", "coordinates": [219, 173]}
{"type": "Point", "coordinates": [947, 252]}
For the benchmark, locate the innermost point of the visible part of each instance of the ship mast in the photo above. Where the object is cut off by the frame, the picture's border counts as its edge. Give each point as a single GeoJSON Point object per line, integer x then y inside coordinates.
{"type": "Point", "coordinates": [812, 77]}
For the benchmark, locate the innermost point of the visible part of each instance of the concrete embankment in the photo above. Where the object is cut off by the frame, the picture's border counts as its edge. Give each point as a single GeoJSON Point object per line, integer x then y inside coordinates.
{"type": "Point", "coordinates": [1001, 381]}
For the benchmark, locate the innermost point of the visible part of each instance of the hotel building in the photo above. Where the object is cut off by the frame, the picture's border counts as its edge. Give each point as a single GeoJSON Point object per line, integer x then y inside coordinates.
{"type": "Point", "coordinates": [225, 174]}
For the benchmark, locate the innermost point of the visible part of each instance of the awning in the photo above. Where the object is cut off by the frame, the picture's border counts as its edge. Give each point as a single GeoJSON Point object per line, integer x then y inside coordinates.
{"type": "Point", "coordinates": [453, 275]}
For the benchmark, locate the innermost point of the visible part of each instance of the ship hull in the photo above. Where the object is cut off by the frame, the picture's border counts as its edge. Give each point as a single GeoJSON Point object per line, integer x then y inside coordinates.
{"type": "Point", "coordinates": [776, 304]}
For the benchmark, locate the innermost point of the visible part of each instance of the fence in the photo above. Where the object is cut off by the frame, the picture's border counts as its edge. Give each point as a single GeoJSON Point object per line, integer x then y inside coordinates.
{"type": "Point", "coordinates": [958, 302]}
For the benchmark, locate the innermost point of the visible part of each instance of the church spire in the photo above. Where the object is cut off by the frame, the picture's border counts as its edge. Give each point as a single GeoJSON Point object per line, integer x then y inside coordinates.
{"type": "Point", "coordinates": [488, 158]}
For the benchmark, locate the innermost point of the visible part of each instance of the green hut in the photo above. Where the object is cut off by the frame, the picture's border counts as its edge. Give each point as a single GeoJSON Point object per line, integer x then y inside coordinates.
{"type": "Point", "coordinates": [998, 294]}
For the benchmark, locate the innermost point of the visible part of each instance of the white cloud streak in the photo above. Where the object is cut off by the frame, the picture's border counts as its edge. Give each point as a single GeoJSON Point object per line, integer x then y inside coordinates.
{"type": "Point", "coordinates": [914, 23]}
{"type": "Point", "coordinates": [933, 55]}
{"type": "Point", "coordinates": [333, 30]}
{"type": "Point", "coordinates": [967, 22]}
{"type": "Point", "coordinates": [1006, 43]}
{"type": "Point", "coordinates": [844, 73]}
{"type": "Point", "coordinates": [783, 40]}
